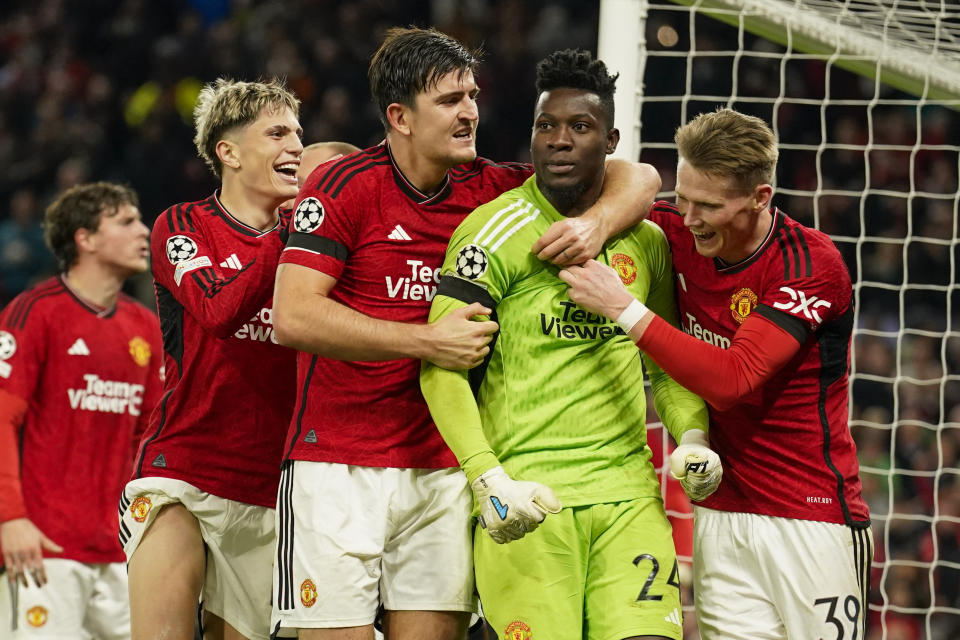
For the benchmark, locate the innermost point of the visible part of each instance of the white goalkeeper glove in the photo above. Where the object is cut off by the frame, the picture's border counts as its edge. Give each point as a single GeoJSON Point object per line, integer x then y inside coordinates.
{"type": "Point", "coordinates": [696, 465]}
{"type": "Point", "coordinates": [510, 508]}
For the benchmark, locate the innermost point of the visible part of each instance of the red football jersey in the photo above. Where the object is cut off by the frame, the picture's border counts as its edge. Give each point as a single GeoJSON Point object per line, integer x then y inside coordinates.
{"type": "Point", "coordinates": [228, 391]}
{"type": "Point", "coordinates": [90, 377]}
{"type": "Point", "coordinates": [360, 221]}
{"type": "Point", "coordinates": [786, 447]}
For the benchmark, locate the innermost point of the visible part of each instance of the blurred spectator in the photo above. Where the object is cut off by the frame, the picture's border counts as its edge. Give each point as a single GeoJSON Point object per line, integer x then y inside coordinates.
{"type": "Point", "coordinates": [24, 258]}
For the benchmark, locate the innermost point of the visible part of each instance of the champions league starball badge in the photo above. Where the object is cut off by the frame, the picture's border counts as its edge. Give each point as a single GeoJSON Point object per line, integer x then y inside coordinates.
{"type": "Point", "coordinates": [471, 262]}
{"type": "Point", "coordinates": [180, 249]}
{"type": "Point", "coordinates": [308, 216]}
{"type": "Point", "coordinates": [8, 345]}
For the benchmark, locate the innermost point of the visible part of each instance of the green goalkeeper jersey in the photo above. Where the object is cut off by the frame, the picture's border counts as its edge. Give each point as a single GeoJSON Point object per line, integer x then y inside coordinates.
{"type": "Point", "coordinates": [560, 400]}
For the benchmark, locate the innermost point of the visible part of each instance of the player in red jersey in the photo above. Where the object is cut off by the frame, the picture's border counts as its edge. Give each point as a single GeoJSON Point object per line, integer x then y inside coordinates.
{"type": "Point", "coordinates": [783, 548]}
{"type": "Point", "coordinates": [319, 152]}
{"type": "Point", "coordinates": [79, 373]}
{"type": "Point", "coordinates": [197, 520]}
{"type": "Point", "coordinates": [353, 294]}
{"type": "Point", "coordinates": [313, 156]}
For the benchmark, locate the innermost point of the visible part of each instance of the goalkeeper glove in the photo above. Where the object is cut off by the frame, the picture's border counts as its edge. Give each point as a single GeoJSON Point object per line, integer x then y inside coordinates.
{"type": "Point", "coordinates": [509, 508]}
{"type": "Point", "coordinates": [696, 465]}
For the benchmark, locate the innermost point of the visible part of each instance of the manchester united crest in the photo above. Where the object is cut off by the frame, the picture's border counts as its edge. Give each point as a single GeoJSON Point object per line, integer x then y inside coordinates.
{"type": "Point", "coordinates": [36, 616]}
{"type": "Point", "coordinates": [742, 303]}
{"type": "Point", "coordinates": [308, 593]}
{"type": "Point", "coordinates": [625, 267]}
{"type": "Point", "coordinates": [519, 630]}
{"type": "Point", "coordinates": [140, 508]}
{"type": "Point", "coordinates": [140, 351]}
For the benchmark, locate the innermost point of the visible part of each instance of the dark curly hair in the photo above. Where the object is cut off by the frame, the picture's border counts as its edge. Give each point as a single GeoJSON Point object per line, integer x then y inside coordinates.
{"type": "Point", "coordinates": [576, 69]}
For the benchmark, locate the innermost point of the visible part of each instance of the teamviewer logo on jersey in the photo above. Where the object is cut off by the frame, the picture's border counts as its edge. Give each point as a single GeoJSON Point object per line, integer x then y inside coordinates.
{"type": "Point", "coordinates": [309, 215]}
{"type": "Point", "coordinates": [471, 262]}
{"type": "Point", "coordinates": [180, 249]}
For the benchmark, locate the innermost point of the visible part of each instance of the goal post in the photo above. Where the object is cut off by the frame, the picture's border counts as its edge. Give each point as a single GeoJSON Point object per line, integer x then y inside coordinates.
{"type": "Point", "coordinates": [621, 46]}
{"type": "Point", "coordinates": [913, 46]}
{"type": "Point", "coordinates": [864, 98]}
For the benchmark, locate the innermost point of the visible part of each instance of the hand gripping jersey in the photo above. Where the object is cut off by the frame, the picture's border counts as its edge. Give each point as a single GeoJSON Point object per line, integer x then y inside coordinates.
{"type": "Point", "coordinates": [228, 392]}
{"type": "Point", "coordinates": [786, 447]}
{"type": "Point", "coordinates": [90, 377]}
{"type": "Point", "coordinates": [561, 396]}
{"type": "Point", "coordinates": [360, 221]}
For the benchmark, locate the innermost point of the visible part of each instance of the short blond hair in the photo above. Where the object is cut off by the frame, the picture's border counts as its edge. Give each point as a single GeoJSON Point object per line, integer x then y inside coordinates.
{"type": "Point", "coordinates": [226, 104]}
{"type": "Point", "coordinates": [732, 145]}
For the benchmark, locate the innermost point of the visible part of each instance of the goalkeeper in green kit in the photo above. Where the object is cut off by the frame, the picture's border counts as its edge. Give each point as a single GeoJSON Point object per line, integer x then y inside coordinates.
{"type": "Point", "coordinates": [553, 421]}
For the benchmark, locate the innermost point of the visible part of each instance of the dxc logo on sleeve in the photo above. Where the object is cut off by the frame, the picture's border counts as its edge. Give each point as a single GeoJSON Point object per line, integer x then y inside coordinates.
{"type": "Point", "coordinates": [800, 303]}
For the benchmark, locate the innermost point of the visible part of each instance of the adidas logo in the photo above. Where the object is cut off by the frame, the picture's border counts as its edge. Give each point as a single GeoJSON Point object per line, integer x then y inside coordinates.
{"type": "Point", "coordinates": [78, 348]}
{"type": "Point", "coordinates": [161, 462]}
{"type": "Point", "coordinates": [311, 436]}
{"type": "Point", "coordinates": [398, 233]}
{"type": "Point", "coordinates": [674, 618]}
{"type": "Point", "coordinates": [233, 262]}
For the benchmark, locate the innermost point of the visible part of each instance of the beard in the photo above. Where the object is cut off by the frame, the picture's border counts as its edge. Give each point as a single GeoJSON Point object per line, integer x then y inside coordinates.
{"type": "Point", "coordinates": [563, 198]}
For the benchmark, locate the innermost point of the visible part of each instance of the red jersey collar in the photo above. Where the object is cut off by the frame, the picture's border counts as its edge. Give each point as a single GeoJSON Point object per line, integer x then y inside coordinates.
{"type": "Point", "coordinates": [221, 211]}
{"type": "Point", "coordinates": [775, 222]}
{"type": "Point", "coordinates": [411, 191]}
{"type": "Point", "coordinates": [95, 309]}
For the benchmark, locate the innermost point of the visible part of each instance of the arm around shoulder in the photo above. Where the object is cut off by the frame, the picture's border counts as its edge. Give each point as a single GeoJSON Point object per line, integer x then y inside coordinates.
{"type": "Point", "coordinates": [629, 189]}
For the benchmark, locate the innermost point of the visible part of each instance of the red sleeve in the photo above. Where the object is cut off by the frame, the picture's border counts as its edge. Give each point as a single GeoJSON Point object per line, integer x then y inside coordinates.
{"type": "Point", "coordinates": [153, 388]}
{"type": "Point", "coordinates": [22, 354]}
{"type": "Point", "coordinates": [183, 264]}
{"type": "Point", "coordinates": [12, 410]}
{"type": "Point", "coordinates": [759, 349]}
{"type": "Point", "coordinates": [324, 230]}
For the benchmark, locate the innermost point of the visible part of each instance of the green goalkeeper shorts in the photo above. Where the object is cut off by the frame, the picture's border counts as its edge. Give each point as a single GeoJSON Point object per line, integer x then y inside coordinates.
{"type": "Point", "coordinates": [600, 572]}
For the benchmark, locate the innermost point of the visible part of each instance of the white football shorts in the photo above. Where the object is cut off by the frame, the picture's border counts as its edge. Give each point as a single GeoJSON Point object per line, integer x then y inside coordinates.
{"type": "Point", "coordinates": [351, 537]}
{"type": "Point", "coordinates": [763, 577]}
{"type": "Point", "coordinates": [80, 601]}
{"type": "Point", "coordinates": [240, 540]}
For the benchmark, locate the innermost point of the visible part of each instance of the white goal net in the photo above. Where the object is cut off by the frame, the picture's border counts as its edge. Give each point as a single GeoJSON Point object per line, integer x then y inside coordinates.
{"type": "Point", "coordinates": [864, 97]}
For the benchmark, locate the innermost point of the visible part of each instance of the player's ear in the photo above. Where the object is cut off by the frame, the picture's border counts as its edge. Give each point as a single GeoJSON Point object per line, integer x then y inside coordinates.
{"type": "Point", "coordinates": [84, 240]}
{"type": "Point", "coordinates": [613, 139]}
{"type": "Point", "coordinates": [227, 152]}
{"type": "Point", "coordinates": [762, 194]}
{"type": "Point", "coordinates": [398, 115]}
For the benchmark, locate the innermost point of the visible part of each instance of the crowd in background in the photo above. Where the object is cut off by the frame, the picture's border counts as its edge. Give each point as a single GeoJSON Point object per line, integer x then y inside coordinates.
{"type": "Point", "coordinates": [104, 89]}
